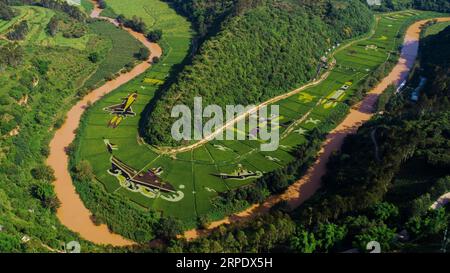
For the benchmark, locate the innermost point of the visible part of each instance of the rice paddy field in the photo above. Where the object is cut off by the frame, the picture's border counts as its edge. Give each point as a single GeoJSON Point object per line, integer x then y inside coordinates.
{"type": "Point", "coordinates": [192, 173]}
{"type": "Point", "coordinates": [116, 47]}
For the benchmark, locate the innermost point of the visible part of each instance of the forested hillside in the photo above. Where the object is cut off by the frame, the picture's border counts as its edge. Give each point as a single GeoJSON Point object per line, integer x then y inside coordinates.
{"type": "Point", "coordinates": [261, 52]}
{"type": "Point", "coordinates": [382, 194]}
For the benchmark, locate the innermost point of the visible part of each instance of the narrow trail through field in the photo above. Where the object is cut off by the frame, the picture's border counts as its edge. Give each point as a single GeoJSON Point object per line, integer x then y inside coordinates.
{"type": "Point", "coordinates": [304, 188]}
{"type": "Point", "coordinates": [72, 213]}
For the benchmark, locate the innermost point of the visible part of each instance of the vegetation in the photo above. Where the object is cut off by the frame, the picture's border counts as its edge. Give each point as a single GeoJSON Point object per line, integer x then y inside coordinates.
{"type": "Point", "coordinates": [115, 49]}
{"type": "Point", "coordinates": [207, 197]}
{"type": "Point", "coordinates": [18, 32]}
{"type": "Point", "coordinates": [40, 77]}
{"type": "Point", "coordinates": [11, 55]}
{"type": "Point", "coordinates": [155, 35]}
{"type": "Point", "coordinates": [225, 73]}
{"type": "Point", "coordinates": [366, 199]}
{"type": "Point", "coordinates": [6, 12]}
{"type": "Point", "coordinates": [207, 15]}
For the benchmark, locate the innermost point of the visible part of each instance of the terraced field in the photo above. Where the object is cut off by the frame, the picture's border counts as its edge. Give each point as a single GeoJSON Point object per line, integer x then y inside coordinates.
{"type": "Point", "coordinates": [192, 173]}
{"type": "Point", "coordinates": [38, 19]}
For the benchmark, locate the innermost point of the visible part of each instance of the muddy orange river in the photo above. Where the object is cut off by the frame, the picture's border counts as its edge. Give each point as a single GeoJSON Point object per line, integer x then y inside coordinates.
{"type": "Point", "coordinates": [74, 215]}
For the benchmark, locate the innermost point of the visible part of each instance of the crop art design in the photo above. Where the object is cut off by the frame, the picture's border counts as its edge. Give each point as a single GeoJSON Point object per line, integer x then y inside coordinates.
{"type": "Point", "coordinates": [240, 174]}
{"type": "Point", "coordinates": [122, 110]}
{"type": "Point", "coordinates": [148, 182]}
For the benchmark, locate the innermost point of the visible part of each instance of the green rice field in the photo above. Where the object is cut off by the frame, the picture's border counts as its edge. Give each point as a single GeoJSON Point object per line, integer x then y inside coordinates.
{"type": "Point", "coordinates": [191, 173]}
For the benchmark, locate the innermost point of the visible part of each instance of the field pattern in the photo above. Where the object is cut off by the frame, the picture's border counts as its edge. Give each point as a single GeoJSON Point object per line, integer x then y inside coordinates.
{"type": "Point", "coordinates": [218, 166]}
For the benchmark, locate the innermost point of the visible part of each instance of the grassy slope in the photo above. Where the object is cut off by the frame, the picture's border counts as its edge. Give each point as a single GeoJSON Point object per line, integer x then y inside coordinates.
{"type": "Point", "coordinates": [256, 56]}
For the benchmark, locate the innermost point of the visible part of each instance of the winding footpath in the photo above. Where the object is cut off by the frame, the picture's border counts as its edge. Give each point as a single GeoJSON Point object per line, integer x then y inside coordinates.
{"type": "Point", "coordinates": [72, 213]}
{"type": "Point", "coordinates": [304, 188]}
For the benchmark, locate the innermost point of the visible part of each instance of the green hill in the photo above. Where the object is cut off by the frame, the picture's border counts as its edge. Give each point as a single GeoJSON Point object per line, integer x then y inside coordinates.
{"type": "Point", "coordinates": [259, 53]}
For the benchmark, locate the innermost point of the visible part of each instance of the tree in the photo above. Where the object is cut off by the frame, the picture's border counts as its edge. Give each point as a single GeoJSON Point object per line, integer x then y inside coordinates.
{"type": "Point", "coordinates": [9, 243]}
{"type": "Point", "coordinates": [94, 57]}
{"type": "Point", "coordinates": [304, 242]}
{"type": "Point", "coordinates": [429, 224]}
{"type": "Point", "coordinates": [136, 24]}
{"type": "Point", "coordinates": [83, 171]}
{"type": "Point", "coordinates": [155, 60]}
{"type": "Point", "coordinates": [43, 172]}
{"type": "Point", "coordinates": [143, 54]}
{"type": "Point", "coordinates": [19, 31]}
{"type": "Point", "coordinates": [169, 228]}
{"type": "Point", "coordinates": [52, 26]}
{"type": "Point", "coordinates": [11, 54]}
{"type": "Point", "coordinates": [102, 4]}
{"type": "Point", "coordinates": [384, 211]}
{"type": "Point", "coordinates": [328, 235]}
{"type": "Point", "coordinates": [155, 35]}
{"type": "Point", "coordinates": [44, 192]}
{"type": "Point", "coordinates": [379, 233]}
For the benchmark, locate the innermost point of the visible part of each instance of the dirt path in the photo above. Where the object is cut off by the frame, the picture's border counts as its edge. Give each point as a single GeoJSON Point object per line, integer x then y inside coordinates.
{"type": "Point", "coordinates": [304, 188]}
{"type": "Point", "coordinates": [72, 213]}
